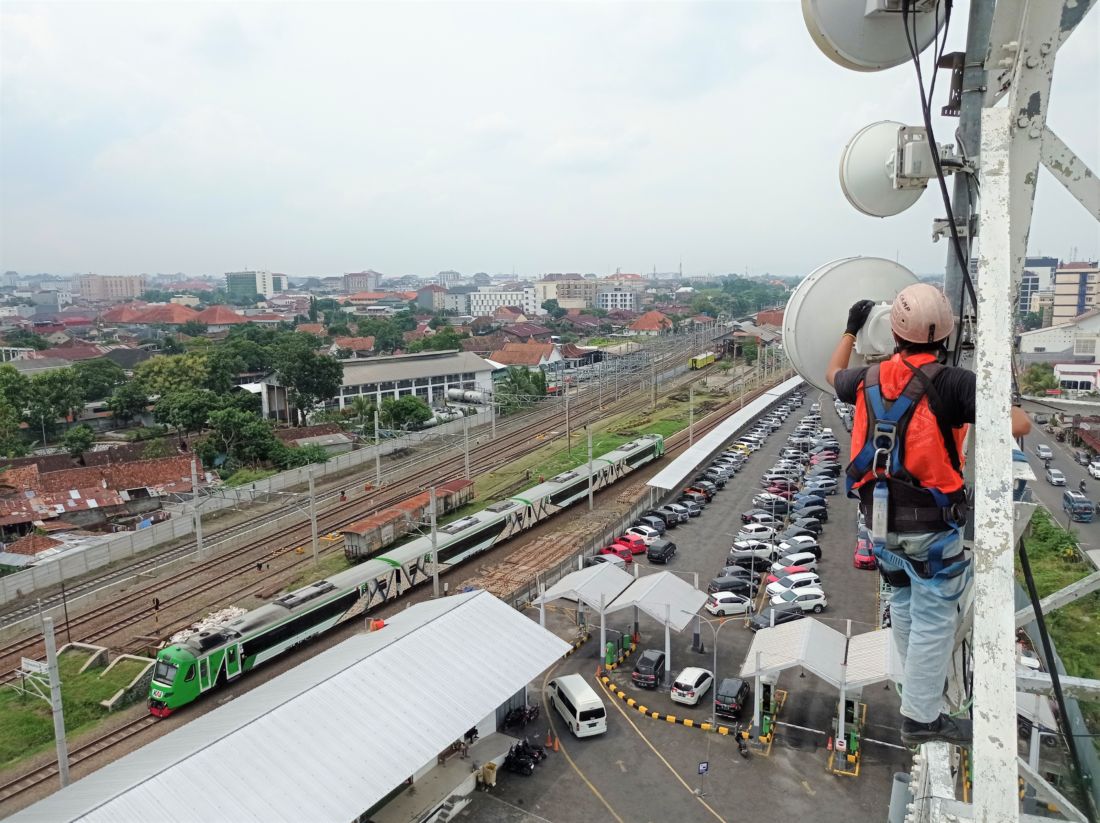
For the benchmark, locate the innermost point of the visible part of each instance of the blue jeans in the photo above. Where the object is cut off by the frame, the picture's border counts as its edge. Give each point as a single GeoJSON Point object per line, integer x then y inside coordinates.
{"type": "Point", "coordinates": [923, 618]}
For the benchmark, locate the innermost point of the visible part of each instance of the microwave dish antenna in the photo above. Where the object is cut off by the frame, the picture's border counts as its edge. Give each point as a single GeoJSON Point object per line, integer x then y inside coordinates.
{"type": "Point", "coordinates": [869, 35]}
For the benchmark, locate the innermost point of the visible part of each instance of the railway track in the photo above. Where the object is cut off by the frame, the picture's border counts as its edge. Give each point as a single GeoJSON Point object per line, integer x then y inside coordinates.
{"type": "Point", "coordinates": [88, 626]}
{"type": "Point", "coordinates": [29, 780]}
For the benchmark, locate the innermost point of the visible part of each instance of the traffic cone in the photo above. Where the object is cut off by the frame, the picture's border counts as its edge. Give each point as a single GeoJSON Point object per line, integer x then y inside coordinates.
{"type": "Point", "coordinates": [549, 739]}
{"type": "Point", "coordinates": [557, 747]}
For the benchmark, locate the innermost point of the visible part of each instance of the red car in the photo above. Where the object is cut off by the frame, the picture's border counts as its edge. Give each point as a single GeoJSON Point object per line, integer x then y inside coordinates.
{"type": "Point", "coordinates": [619, 550]}
{"type": "Point", "coordinates": [824, 457]}
{"type": "Point", "coordinates": [864, 557]}
{"type": "Point", "coordinates": [635, 544]}
{"type": "Point", "coordinates": [780, 491]}
{"type": "Point", "coordinates": [772, 578]}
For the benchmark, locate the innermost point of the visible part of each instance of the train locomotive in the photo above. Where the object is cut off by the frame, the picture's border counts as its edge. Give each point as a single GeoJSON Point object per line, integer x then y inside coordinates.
{"type": "Point", "coordinates": [221, 653]}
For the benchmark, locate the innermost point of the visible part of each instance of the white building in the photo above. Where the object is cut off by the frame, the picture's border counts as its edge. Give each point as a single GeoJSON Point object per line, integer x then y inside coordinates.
{"type": "Point", "coordinates": [488, 299]}
{"type": "Point", "coordinates": [1075, 338]}
{"type": "Point", "coordinates": [618, 298]}
{"type": "Point", "coordinates": [1077, 377]}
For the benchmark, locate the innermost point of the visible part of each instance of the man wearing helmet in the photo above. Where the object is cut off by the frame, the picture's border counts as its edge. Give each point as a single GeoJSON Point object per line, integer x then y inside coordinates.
{"type": "Point", "coordinates": [911, 418]}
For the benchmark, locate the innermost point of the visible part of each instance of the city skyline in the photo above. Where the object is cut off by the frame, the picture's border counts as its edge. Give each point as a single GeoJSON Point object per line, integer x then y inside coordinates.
{"type": "Point", "coordinates": [480, 137]}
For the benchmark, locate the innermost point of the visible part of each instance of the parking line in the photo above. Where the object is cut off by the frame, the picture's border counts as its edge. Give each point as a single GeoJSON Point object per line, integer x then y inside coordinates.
{"type": "Point", "coordinates": [882, 743]}
{"type": "Point", "coordinates": [675, 773]}
{"type": "Point", "coordinates": [572, 763]}
{"type": "Point", "coordinates": [800, 728]}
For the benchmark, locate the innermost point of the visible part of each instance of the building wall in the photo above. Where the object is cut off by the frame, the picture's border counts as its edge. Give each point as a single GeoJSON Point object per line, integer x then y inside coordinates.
{"type": "Point", "coordinates": [546, 290]}
{"type": "Point", "coordinates": [1076, 290]}
{"type": "Point", "coordinates": [625, 299]}
{"type": "Point", "coordinates": [485, 301]}
{"type": "Point", "coordinates": [111, 286]}
{"type": "Point", "coordinates": [580, 294]}
{"type": "Point", "coordinates": [432, 390]}
{"type": "Point", "coordinates": [457, 302]}
{"type": "Point", "coordinates": [245, 284]}
{"type": "Point", "coordinates": [1060, 338]}
{"type": "Point", "coordinates": [361, 281]}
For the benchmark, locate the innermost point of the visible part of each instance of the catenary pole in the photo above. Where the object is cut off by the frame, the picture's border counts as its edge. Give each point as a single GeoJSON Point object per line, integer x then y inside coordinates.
{"type": "Point", "coordinates": [435, 553]}
{"type": "Point", "coordinates": [377, 453]}
{"type": "Point", "coordinates": [465, 448]}
{"type": "Point", "coordinates": [589, 430]}
{"type": "Point", "coordinates": [56, 706]}
{"type": "Point", "coordinates": [313, 518]}
{"type": "Point", "coordinates": [196, 513]}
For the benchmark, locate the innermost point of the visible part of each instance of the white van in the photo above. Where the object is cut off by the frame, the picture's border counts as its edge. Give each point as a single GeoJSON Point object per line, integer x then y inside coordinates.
{"type": "Point", "coordinates": [578, 704]}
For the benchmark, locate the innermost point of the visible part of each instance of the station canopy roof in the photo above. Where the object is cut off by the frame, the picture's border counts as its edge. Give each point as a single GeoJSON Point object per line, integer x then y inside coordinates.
{"type": "Point", "coordinates": [821, 650]}
{"type": "Point", "coordinates": [333, 736]}
{"type": "Point", "coordinates": [589, 585]}
{"type": "Point", "coordinates": [664, 597]}
{"type": "Point", "coordinates": [688, 463]}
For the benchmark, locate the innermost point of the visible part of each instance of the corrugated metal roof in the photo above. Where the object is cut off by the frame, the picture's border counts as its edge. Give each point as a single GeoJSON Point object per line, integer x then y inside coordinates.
{"type": "Point", "coordinates": [687, 463]}
{"type": "Point", "coordinates": [331, 737]}
{"type": "Point", "coordinates": [587, 585]}
{"type": "Point", "coordinates": [384, 369]}
{"type": "Point", "coordinates": [820, 649]}
{"type": "Point", "coordinates": [663, 596]}
{"type": "Point", "coordinates": [872, 658]}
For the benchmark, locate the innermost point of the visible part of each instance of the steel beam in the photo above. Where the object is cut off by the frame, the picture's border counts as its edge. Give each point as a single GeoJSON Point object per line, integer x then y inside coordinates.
{"type": "Point", "coordinates": [1069, 170]}
{"type": "Point", "coordinates": [1072, 592]}
{"type": "Point", "coordinates": [1045, 791]}
{"type": "Point", "coordinates": [1082, 688]}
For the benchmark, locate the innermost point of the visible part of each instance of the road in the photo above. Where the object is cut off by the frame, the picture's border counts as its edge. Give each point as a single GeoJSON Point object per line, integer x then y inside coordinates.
{"type": "Point", "coordinates": [646, 769]}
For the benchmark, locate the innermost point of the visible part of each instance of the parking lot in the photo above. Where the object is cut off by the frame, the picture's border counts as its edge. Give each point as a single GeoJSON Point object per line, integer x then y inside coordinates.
{"type": "Point", "coordinates": [646, 769]}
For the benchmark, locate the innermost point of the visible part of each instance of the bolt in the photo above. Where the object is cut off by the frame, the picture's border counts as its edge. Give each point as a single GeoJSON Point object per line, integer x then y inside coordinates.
{"type": "Point", "coordinates": [1045, 47]}
{"type": "Point", "coordinates": [1032, 62]}
{"type": "Point", "coordinates": [1022, 121]}
{"type": "Point", "coordinates": [1035, 132]}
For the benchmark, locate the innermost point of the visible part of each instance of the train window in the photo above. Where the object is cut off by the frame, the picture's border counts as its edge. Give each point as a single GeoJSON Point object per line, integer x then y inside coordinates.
{"type": "Point", "coordinates": [165, 672]}
{"type": "Point", "coordinates": [190, 672]}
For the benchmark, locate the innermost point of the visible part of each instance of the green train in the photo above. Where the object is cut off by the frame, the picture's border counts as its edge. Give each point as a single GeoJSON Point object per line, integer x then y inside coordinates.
{"type": "Point", "coordinates": [221, 653]}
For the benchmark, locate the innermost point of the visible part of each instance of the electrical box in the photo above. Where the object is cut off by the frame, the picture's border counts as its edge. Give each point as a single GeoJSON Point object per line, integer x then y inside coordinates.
{"type": "Point", "coordinates": [875, 8]}
{"type": "Point", "coordinates": [914, 165]}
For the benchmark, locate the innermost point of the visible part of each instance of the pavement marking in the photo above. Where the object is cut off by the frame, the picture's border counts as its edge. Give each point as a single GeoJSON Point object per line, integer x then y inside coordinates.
{"type": "Point", "coordinates": [882, 743]}
{"type": "Point", "coordinates": [806, 786]}
{"type": "Point", "coordinates": [660, 756]}
{"type": "Point", "coordinates": [564, 751]}
{"type": "Point", "coordinates": [527, 812]}
{"type": "Point", "coordinates": [800, 728]}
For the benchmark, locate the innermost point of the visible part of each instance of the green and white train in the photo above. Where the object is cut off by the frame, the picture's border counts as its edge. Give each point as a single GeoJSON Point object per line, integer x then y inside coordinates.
{"type": "Point", "coordinates": [221, 653]}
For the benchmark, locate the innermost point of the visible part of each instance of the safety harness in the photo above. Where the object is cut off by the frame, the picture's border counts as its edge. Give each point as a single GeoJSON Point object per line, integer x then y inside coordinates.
{"type": "Point", "coordinates": [898, 502]}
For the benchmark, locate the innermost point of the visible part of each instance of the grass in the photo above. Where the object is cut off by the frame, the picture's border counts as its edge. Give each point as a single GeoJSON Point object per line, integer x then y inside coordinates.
{"type": "Point", "coordinates": [1074, 628]}
{"type": "Point", "coordinates": [242, 477]}
{"type": "Point", "coordinates": [327, 565]}
{"type": "Point", "coordinates": [26, 722]}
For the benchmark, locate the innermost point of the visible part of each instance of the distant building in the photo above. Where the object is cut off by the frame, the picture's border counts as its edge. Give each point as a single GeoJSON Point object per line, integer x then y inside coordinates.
{"type": "Point", "coordinates": [243, 286]}
{"type": "Point", "coordinates": [652, 323]}
{"type": "Point", "coordinates": [432, 298]}
{"type": "Point", "coordinates": [368, 280]}
{"type": "Point", "coordinates": [1073, 340]}
{"type": "Point", "coordinates": [617, 298]}
{"type": "Point", "coordinates": [111, 287]}
{"type": "Point", "coordinates": [1038, 276]}
{"type": "Point", "coordinates": [488, 299]}
{"type": "Point", "coordinates": [577, 293]}
{"type": "Point", "coordinates": [448, 278]}
{"type": "Point", "coordinates": [1076, 290]}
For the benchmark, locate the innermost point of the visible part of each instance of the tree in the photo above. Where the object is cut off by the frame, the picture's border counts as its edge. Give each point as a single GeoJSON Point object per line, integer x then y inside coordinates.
{"type": "Point", "coordinates": [312, 309]}
{"type": "Point", "coordinates": [128, 401]}
{"type": "Point", "coordinates": [1032, 320]}
{"type": "Point", "coordinates": [363, 408]}
{"type": "Point", "coordinates": [443, 340]}
{"type": "Point", "coordinates": [12, 442]}
{"type": "Point", "coordinates": [21, 338]}
{"type": "Point", "coordinates": [186, 411]}
{"type": "Point", "coordinates": [15, 387]}
{"type": "Point", "coordinates": [239, 435]}
{"type": "Point", "coordinates": [286, 457]}
{"type": "Point", "coordinates": [98, 378]}
{"type": "Point", "coordinates": [170, 345]}
{"type": "Point", "coordinates": [554, 309]}
{"type": "Point", "coordinates": [78, 439]}
{"type": "Point", "coordinates": [1039, 378]}
{"type": "Point", "coordinates": [193, 328]}
{"type": "Point", "coordinates": [519, 387]}
{"type": "Point", "coordinates": [166, 374]}
{"type": "Point", "coordinates": [408, 412]}
{"type": "Point", "coordinates": [53, 395]}
{"type": "Point", "coordinates": [310, 377]}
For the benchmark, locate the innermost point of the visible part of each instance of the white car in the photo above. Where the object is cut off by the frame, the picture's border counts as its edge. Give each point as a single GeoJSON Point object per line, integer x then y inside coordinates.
{"type": "Point", "coordinates": [755, 531]}
{"type": "Point", "coordinates": [793, 581]}
{"type": "Point", "coordinates": [1055, 477]}
{"type": "Point", "coordinates": [809, 599]}
{"type": "Point", "coordinates": [649, 536]}
{"type": "Point", "coordinates": [1043, 452]}
{"type": "Point", "coordinates": [806, 560]}
{"type": "Point", "coordinates": [750, 548]}
{"type": "Point", "coordinates": [690, 685]}
{"type": "Point", "coordinates": [723, 604]}
{"type": "Point", "coordinates": [1094, 470]}
{"type": "Point", "coordinates": [802, 544]}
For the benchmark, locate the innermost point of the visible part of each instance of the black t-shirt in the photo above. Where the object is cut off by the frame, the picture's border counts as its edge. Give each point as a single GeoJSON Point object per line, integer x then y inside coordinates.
{"type": "Point", "coordinates": [956, 389]}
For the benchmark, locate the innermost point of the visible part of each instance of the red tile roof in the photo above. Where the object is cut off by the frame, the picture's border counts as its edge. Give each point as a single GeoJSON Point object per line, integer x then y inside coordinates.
{"type": "Point", "coordinates": [219, 316]}
{"type": "Point", "coordinates": [32, 544]}
{"type": "Point", "coordinates": [354, 343]}
{"type": "Point", "coordinates": [125, 313]}
{"type": "Point", "coordinates": [170, 314]}
{"type": "Point", "coordinates": [523, 354]}
{"type": "Point", "coordinates": [651, 321]}
{"type": "Point", "coordinates": [526, 330]}
{"type": "Point", "coordinates": [312, 328]}
{"type": "Point", "coordinates": [74, 353]}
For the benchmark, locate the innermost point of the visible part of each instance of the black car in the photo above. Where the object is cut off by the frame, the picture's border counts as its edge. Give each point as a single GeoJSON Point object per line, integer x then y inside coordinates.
{"type": "Point", "coordinates": [811, 524]}
{"type": "Point", "coordinates": [783, 614]}
{"type": "Point", "coordinates": [758, 564]}
{"type": "Point", "coordinates": [666, 516]}
{"type": "Point", "coordinates": [706, 485]}
{"type": "Point", "coordinates": [795, 531]}
{"type": "Point", "coordinates": [737, 585]}
{"type": "Point", "coordinates": [824, 470]}
{"type": "Point", "coordinates": [660, 551]}
{"type": "Point", "coordinates": [649, 670]}
{"type": "Point", "coordinates": [715, 478]}
{"type": "Point", "coordinates": [652, 521]}
{"type": "Point", "coordinates": [731, 697]}
{"type": "Point", "coordinates": [804, 499]}
{"type": "Point", "coordinates": [819, 513]}
{"type": "Point", "coordinates": [742, 572]}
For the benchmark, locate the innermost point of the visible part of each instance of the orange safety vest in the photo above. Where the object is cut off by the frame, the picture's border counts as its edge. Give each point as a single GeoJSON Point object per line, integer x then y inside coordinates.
{"type": "Point", "coordinates": [923, 451]}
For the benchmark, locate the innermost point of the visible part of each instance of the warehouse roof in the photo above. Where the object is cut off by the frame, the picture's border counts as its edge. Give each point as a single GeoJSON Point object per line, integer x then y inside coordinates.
{"type": "Point", "coordinates": [233, 763]}
{"type": "Point", "coordinates": [596, 586]}
{"type": "Point", "coordinates": [410, 367]}
{"type": "Point", "coordinates": [664, 597]}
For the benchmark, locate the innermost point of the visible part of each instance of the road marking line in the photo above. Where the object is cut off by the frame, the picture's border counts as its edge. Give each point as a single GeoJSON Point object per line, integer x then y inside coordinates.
{"type": "Point", "coordinates": [661, 757]}
{"type": "Point", "coordinates": [806, 786]}
{"type": "Point", "coordinates": [800, 728]}
{"type": "Point", "coordinates": [572, 764]}
{"type": "Point", "coordinates": [882, 743]}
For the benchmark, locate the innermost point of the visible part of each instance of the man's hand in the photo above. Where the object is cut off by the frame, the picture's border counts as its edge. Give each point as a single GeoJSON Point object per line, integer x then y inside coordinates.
{"type": "Point", "coordinates": [857, 316]}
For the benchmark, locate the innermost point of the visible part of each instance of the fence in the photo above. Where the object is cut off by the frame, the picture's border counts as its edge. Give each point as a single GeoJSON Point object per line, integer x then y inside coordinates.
{"type": "Point", "coordinates": [128, 544]}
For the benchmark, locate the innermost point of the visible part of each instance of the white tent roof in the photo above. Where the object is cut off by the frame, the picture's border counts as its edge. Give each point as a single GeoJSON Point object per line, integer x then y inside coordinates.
{"type": "Point", "coordinates": [662, 595]}
{"type": "Point", "coordinates": [331, 737]}
{"type": "Point", "coordinates": [820, 649]}
{"type": "Point", "coordinates": [587, 585]}
{"type": "Point", "coordinates": [687, 463]}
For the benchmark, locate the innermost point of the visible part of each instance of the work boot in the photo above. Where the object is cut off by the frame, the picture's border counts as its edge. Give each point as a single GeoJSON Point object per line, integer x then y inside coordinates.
{"type": "Point", "coordinates": [954, 730]}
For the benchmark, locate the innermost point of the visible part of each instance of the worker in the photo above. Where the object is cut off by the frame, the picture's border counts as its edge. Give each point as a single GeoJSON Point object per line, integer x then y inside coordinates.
{"type": "Point", "coordinates": [1081, 485]}
{"type": "Point", "coordinates": [908, 479]}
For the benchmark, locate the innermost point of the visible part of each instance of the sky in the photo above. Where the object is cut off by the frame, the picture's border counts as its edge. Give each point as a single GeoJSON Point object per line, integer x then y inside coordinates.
{"type": "Point", "coordinates": [317, 138]}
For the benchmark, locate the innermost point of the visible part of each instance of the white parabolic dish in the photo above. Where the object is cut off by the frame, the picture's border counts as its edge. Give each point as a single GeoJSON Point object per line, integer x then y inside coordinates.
{"type": "Point", "coordinates": [817, 311]}
{"type": "Point", "coordinates": [847, 35]}
{"type": "Point", "coordinates": [867, 173]}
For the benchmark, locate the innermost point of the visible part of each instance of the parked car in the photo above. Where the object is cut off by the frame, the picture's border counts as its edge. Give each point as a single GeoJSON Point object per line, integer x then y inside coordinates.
{"type": "Point", "coordinates": [633, 541]}
{"type": "Point", "coordinates": [807, 598]}
{"type": "Point", "coordinates": [864, 555]}
{"type": "Point", "coordinates": [678, 510]}
{"type": "Point", "coordinates": [752, 562]}
{"type": "Point", "coordinates": [713, 476]}
{"type": "Point", "coordinates": [751, 548]}
{"type": "Point", "coordinates": [698, 498]}
{"type": "Point", "coordinates": [755, 531]}
{"type": "Point", "coordinates": [1094, 469]}
{"type": "Point", "coordinates": [690, 685]}
{"type": "Point", "coordinates": [795, 581]}
{"type": "Point", "coordinates": [810, 524]}
{"type": "Point", "coordinates": [818, 513]}
{"type": "Point", "coordinates": [802, 543]}
{"type": "Point", "coordinates": [649, 670]}
{"type": "Point", "coordinates": [724, 604]}
{"type": "Point", "coordinates": [653, 522]}
{"type": "Point", "coordinates": [610, 559]}
{"type": "Point", "coordinates": [753, 576]}
{"type": "Point", "coordinates": [671, 517]}
{"type": "Point", "coordinates": [729, 584]}
{"type": "Point", "coordinates": [1055, 477]}
{"type": "Point", "coordinates": [708, 486]}
{"type": "Point", "coordinates": [805, 498]}
{"type": "Point", "coordinates": [826, 485]}
{"type": "Point", "coordinates": [692, 506]}
{"type": "Point", "coordinates": [794, 531]}
{"type": "Point", "coordinates": [771, 502]}
{"type": "Point", "coordinates": [802, 560]}
{"type": "Point", "coordinates": [731, 697]}
{"type": "Point", "coordinates": [706, 493]}
{"type": "Point", "coordinates": [781, 491]}
{"type": "Point", "coordinates": [620, 551]}
{"type": "Point", "coordinates": [761, 516]}
{"type": "Point", "coordinates": [775, 615]}
{"type": "Point", "coordinates": [660, 551]}
{"type": "Point", "coordinates": [645, 535]}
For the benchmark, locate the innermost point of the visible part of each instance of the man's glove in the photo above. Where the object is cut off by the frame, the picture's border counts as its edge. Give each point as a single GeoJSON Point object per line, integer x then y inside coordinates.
{"type": "Point", "coordinates": [857, 316]}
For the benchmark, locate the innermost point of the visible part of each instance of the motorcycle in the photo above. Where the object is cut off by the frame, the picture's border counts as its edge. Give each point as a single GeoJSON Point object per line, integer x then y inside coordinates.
{"type": "Point", "coordinates": [521, 716]}
{"type": "Point", "coordinates": [532, 750]}
{"type": "Point", "coordinates": [517, 763]}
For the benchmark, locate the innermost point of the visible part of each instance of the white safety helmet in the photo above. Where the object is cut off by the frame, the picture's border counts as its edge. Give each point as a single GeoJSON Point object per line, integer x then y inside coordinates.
{"type": "Point", "coordinates": [921, 314]}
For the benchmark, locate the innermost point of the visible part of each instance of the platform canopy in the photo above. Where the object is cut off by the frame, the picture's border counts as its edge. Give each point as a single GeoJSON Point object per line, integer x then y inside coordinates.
{"type": "Point", "coordinates": [664, 597]}
{"type": "Point", "coordinates": [688, 463]}
{"type": "Point", "coordinates": [588, 586]}
{"type": "Point", "coordinates": [821, 650]}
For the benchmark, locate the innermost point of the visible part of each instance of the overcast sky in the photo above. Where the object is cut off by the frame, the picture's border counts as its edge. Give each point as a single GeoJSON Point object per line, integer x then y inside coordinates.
{"type": "Point", "coordinates": [318, 138]}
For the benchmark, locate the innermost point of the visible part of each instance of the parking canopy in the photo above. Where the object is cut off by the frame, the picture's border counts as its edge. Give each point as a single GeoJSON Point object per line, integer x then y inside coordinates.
{"type": "Point", "coordinates": [664, 597]}
{"type": "Point", "coordinates": [871, 657]}
{"type": "Point", "coordinates": [588, 586]}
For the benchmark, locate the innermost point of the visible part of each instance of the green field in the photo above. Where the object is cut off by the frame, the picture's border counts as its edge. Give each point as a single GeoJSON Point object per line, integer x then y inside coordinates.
{"type": "Point", "coordinates": [26, 725]}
